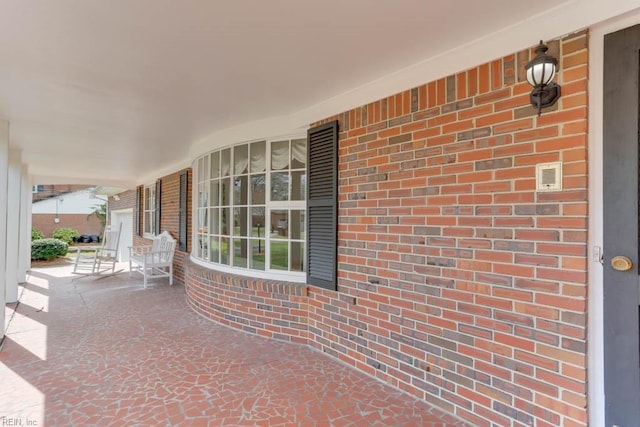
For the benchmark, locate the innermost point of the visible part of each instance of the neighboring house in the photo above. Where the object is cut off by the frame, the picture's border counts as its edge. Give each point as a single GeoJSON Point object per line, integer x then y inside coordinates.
{"type": "Point", "coordinates": [46, 191]}
{"type": "Point", "coordinates": [71, 209]}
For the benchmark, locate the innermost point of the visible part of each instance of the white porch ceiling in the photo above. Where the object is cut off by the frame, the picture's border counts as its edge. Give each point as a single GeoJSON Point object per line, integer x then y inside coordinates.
{"type": "Point", "coordinates": [111, 92]}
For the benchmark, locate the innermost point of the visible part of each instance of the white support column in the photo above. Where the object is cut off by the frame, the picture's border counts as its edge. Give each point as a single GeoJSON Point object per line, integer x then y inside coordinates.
{"type": "Point", "coordinates": [29, 223]}
{"type": "Point", "coordinates": [13, 224]}
{"type": "Point", "coordinates": [24, 260]}
{"type": "Point", "coordinates": [4, 162]}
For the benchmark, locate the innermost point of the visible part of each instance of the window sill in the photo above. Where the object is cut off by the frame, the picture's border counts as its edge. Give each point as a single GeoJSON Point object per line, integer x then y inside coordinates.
{"type": "Point", "coordinates": [256, 274]}
{"type": "Point", "coordinates": [211, 274]}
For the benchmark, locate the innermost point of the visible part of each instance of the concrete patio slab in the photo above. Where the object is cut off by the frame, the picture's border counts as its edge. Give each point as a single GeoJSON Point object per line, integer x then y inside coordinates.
{"type": "Point", "coordinates": [84, 351]}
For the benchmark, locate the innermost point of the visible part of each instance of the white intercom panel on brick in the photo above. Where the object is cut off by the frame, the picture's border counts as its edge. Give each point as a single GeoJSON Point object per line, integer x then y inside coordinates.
{"type": "Point", "coordinates": [549, 176]}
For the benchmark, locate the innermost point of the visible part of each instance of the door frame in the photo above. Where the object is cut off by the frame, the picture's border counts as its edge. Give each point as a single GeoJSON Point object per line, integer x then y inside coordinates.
{"type": "Point", "coordinates": [595, 351]}
{"type": "Point", "coordinates": [112, 215]}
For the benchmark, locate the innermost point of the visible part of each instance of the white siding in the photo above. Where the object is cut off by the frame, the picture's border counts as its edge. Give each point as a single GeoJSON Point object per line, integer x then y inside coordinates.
{"type": "Point", "coordinates": [77, 202]}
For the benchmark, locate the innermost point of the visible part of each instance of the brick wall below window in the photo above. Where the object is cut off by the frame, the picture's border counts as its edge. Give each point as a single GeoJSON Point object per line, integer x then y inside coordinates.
{"type": "Point", "coordinates": [269, 308]}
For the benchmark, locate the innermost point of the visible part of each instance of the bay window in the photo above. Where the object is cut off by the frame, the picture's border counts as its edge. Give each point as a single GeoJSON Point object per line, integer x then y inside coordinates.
{"type": "Point", "coordinates": [251, 205]}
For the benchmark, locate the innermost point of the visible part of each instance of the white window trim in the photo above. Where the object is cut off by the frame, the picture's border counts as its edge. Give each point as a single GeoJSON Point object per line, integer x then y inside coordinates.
{"type": "Point", "coordinates": [152, 189]}
{"type": "Point", "coordinates": [292, 276]}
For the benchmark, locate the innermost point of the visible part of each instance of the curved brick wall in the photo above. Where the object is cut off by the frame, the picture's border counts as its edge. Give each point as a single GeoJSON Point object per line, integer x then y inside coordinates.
{"type": "Point", "coordinates": [269, 308]}
{"type": "Point", "coordinates": [323, 319]}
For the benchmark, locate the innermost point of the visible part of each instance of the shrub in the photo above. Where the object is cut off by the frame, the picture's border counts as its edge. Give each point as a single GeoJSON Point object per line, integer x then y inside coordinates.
{"type": "Point", "coordinates": [35, 235]}
{"type": "Point", "coordinates": [65, 234]}
{"type": "Point", "coordinates": [48, 248]}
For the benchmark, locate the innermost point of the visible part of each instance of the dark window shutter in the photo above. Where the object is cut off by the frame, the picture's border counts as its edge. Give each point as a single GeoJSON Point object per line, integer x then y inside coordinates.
{"type": "Point", "coordinates": [158, 211]}
{"type": "Point", "coordinates": [139, 213]}
{"type": "Point", "coordinates": [183, 211]}
{"type": "Point", "coordinates": [322, 205]}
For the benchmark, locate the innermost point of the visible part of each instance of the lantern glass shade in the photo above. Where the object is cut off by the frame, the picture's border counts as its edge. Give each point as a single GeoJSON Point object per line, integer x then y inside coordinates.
{"type": "Point", "coordinates": [541, 73]}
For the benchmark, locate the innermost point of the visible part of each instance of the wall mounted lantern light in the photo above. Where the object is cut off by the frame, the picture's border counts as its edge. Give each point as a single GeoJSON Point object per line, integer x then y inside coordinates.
{"type": "Point", "coordinates": [540, 72]}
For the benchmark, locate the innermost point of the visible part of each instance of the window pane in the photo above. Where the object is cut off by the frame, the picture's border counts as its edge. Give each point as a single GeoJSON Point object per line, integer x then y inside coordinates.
{"type": "Point", "coordinates": [296, 230]}
{"type": "Point", "coordinates": [215, 249]}
{"type": "Point", "coordinates": [214, 196]}
{"type": "Point", "coordinates": [240, 222]}
{"type": "Point", "coordinates": [224, 221]}
{"type": "Point", "coordinates": [201, 168]}
{"type": "Point", "coordinates": [298, 153]}
{"type": "Point", "coordinates": [240, 190]}
{"type": "Point", "coordinates": [225, 192]}
{"type": "Point", "coordinates": [205, 220]}
{"type": "Point", "coordinates": [257, 222]}
{"type": "Point", "coordinates": [298, 185]}
{"type": "Point", "coordinates": [215, 221]}
{"type": "Point", "coordinates": [203, 196]}
{"type": "Point", "coordinates": [297, 256]}
{"type": "Point", "coordinates": [279, 224]}
{"type": "Point", "coordinates": [204, 175]}
{"type": "Point", "coordinates": [147, 222]}
{"type": "Point", "coordinates": [240, 253]}
{"type": "Point", "coordinates": [279, 155]}
{"type": "Point", "coordinates": [215, 164]}
{"type": "Point", "coordinates": [257, 247]}
{"type": "Point", "coordinates": [279, 186]}
{"type": "Point", "coordinates": [258, 157]}
{"type": "Point", "coordinates": [240, 159]}
{"type": "Point", "coordinates": [224, 250]}
{"type": "Point", "coordinates": [257, 190]}
{"type": "Point", "coordinates": [280, 255]}
{"type": "Point", "coordinates": [225, 162]}
{"type": "Point", "coordinates": [202, 221]}
{"type": "Point", "coordinates": [204, 246]}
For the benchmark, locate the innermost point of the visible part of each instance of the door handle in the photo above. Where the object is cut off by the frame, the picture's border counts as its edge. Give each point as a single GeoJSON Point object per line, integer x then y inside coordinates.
{"type": "Point", "coordinates": [621, 263]}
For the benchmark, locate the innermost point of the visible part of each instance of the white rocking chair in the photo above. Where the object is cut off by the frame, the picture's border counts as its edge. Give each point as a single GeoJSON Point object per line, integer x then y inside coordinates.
{"type": "Point", "coordinates": [95, 261]}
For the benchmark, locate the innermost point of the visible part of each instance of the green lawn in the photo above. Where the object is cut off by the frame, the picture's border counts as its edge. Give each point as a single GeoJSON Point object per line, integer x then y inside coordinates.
{"type": "Point", "coordinates": [279, 254]}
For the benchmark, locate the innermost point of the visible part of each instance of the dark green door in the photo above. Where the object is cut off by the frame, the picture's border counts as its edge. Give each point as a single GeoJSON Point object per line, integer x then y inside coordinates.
{"type": "Point", "coordinates": [621, 296]}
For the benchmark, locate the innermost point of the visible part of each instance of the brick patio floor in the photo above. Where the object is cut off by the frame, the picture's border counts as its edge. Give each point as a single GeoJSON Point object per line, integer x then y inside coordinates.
{"type": "Point", "coordinates": [86, 351]}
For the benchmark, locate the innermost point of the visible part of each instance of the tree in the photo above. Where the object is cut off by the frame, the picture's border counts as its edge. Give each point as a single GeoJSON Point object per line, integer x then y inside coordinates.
{"type": "Point", "coordinates": [100, 212]}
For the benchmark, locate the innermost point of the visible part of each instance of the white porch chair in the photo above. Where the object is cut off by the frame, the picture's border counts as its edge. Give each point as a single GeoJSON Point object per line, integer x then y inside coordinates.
{"type": "Point", "coordinates": [155, 260]}
{"type": "Point", "coordinates": [93, 261]}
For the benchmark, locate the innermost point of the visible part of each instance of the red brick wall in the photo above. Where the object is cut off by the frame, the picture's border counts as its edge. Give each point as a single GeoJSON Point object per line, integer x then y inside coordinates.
{"type": "Point", "coordinates": [458, 282]}
{"type": "Point", "coordinates": [467, 288]}
{"type": "Point", "coordinates": [169, 216]}
{"type": "Point", "coordinates": [85, 225]}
